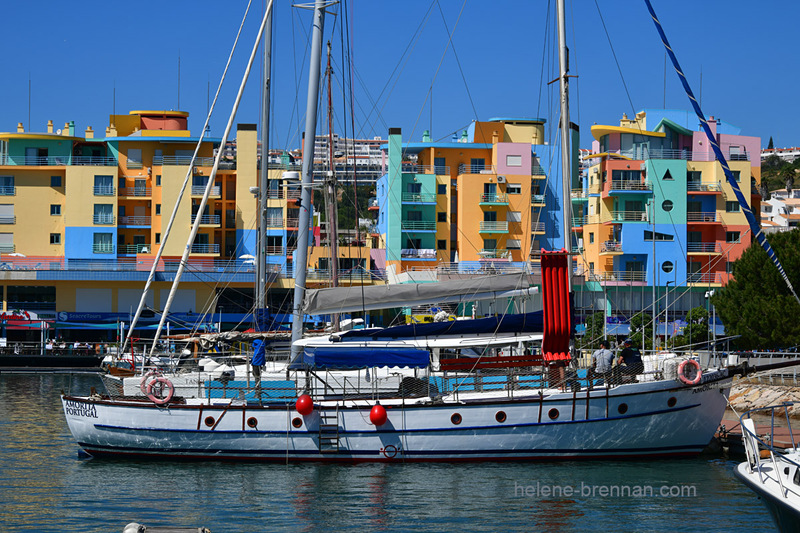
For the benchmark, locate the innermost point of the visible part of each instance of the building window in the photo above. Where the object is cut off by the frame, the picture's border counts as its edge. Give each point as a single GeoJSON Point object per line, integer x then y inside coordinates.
{"type": "Point", "coordinates": [737, 175]}
{"type": "Point", "coordinates": [513, 160]}
{"type": "Point", "coordinates": [732, 236]}
{"type": "Point", "coordinates": [103, 243]}
{"type": "Point", "coordinates": [648, 236]}
{"type": "Point", "coordinates": [7, 186]}
{"type": "Point", "coordinates": [441, 216]}
{"type": "Point", "coordinates": [591, 237]}
{"type": "Point", "coordinates": [158, 209]}
{"type": "Point", "coordinates": [158, 238]}
{"type": "Point", "coordinates": [55, 238]}
{"type": "Point", "coordinates": [158, 180]}
{"type": "Point", "coordinates": [104, 185]}
{"type": "Point", "coordinates": [694, 175]}
{"type": "Point", "coordinates": [732, 207]}
{"type": "Point", "coordinates": [441, 188]}
{"type": "Point", "coordinates": [55, 209]}
{"type": "Point", "coordinates": [729, 267]}
{"type": "Point", "coordinates": [513, 244]}
{"type": "Point", "coordinates": [667, 205]}
{"type": "Point", "coordinates": [55, 181]}
{"type": "Point", "coordinates": [134, 158]}
{"type": "Point", "coordinates": [514, 188]}
{"type": "Point", "coordinates": [103, 214]}
{"type": "Point", "coordinates": [440, 167]}
{"type": "Point", "coordinates": [441, 244]}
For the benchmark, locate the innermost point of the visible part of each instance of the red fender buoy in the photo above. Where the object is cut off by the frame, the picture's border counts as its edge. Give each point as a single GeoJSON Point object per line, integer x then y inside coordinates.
{"type": "Point", "coordinates": [378, 415]}
{"type": "Point", "coordinates": [304, 404]}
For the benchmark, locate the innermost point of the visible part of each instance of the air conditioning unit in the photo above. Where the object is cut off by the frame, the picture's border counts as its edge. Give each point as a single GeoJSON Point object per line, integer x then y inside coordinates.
{"type": "Point", "coordinates": [501, 179]}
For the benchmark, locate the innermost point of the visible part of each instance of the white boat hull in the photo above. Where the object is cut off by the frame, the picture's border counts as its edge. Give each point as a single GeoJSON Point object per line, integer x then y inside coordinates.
{"type": "Point", "coordinates": [654, 419]}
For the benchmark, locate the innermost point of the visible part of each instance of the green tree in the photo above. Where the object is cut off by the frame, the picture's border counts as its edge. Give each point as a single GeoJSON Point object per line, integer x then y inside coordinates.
{"type": "Point", "coordinates": [642, 326]}
{"type": "Point", "coordinates": [758, 305]}
{"type": "Point", "coordinates": [696, 330]}
{"type": "Point", "coordinates": [771, 145]}
{"type": "Point", "coordinates": [594, 331]}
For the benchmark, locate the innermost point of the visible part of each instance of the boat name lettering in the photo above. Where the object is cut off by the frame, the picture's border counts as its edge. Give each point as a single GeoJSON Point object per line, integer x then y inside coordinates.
{"type": "Point", "coordinates": [701, 389]}
{"type": "Point", "coordinates": [80, 409]}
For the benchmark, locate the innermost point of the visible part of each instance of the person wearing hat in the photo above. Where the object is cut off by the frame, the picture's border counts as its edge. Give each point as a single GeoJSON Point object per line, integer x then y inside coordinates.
{"type": "Point", "coordinates": [630, 360]}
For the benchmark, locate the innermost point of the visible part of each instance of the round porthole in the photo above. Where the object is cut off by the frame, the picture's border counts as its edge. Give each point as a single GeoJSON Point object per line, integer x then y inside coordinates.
{"type": "Point", "coordinates": [667, 266]}
{"type": "Point", "coordinates": [500, 416]}
{"type": "Point", "coordinates": [252, 422]}
{"type": "Point", "coordinates": [209, 421]}
{"type": "Point", "coordinates": [672, 401]}
{"type": "Point", "coordinates": [297, 422]}
{"type": "Point", "coordinates": [553, 413]}
{"type": "Point", "coordinates": [455, 419]}
{"type": "Point", "coordinates": [667, 205]}
{"type": "Point", "coordinates": [623, 408]}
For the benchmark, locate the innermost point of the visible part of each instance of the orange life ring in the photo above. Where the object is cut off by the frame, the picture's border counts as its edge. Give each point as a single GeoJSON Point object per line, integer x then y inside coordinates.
{"type": "Point", "coordinates": [156, 390]}
{"type": "Point", "coordinates": [682, 372]}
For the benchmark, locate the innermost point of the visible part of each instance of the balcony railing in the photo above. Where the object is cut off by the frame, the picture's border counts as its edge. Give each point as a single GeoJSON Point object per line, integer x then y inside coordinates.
{"type": "Point", "coordinates": [275, 250]}
{"type": "Point", "coordinates": [200, 190]}
{"type": "Point", "coordinates": [705, 216]}
{"type": "Point", "coordinates": [58, 161]}
{"type": "Point", "coordinates": [207, 219]}
{"type": "Point", "coordinates": [475, 169]}
{"type": "Point", "coordinates": [537, 170]}
{"type": "Point", "coordinates": [695, 186]}
{"type": "Point", "coordinates": [183, 160]}
{"type": "Point", "coordinates": [494, 253]}
{"type": "Point", "coordinates": [537, 198]}
{"type": "Point", "coordinates": [578, 193]}
{"type": "Point", "coordinates": [418, 225]}
{"type": "Point", "coordinates": [103, 190]}
{"type": "Point", "coordinates": [103, 219]}
{"type": "Point", "coordinates": [8, 191]}
{"type": "Point", "coordinates": [630, 185]}
{"type": "Point", "coordinates": [617, 275]}
{"type": "Point", "coordinates": [494, 226]}
{"type": "Point", "coordinates": [134, 221]}
{"type": "Point", "coordinates": [274, 222]}
{"type": "Point", "coordinates": [537, 227]}
{"type": "Point", "coordinates": [494, 198]}
{"type": "Point", "coordinates": [10, 219]}
{"type": "Point", "coordinates": [373, 202]}
{"type": "Point", "coordinates": [412, 168]}
{"type": "Point", "coordinates": [629, 216]}
{"type": "Point", "coordinates": [103, 248]}
{"type": "Point", "coordinates": [418, 197]}
{"type": "Point", "coordinates": [422, 253]}
{"type": "Point", "coordinates": [643, 153]}
{"type": "Point", "coordinates": [578, 221]}
{"type": "Point", "coordinates": [141, 192]}
{"type": "Point", "coordinates": [704, 247]}
{"type": "Point", "coordinates": [706, 277]}
{"type": "Point", "coordinates": [205, 248]}
{"type": "Point", "coordinates": [131, 249]}
{"type": "Point", "coordinates": [611, 246]}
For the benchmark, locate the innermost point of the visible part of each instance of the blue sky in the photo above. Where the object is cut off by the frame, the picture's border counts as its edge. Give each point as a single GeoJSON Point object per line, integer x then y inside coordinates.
{"type": "Point", "coordinates": [76, 54]}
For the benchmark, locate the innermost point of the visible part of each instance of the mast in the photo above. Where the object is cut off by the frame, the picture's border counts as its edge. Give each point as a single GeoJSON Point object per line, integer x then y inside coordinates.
{"type": "Point", "coordinates": [261, 248]}
{"type": "Point", "coordinates": [301, 256]}
{"type": "Point", "coordinates": [566, 159]}
{"type": "Point", "coordinates": [330, 196]}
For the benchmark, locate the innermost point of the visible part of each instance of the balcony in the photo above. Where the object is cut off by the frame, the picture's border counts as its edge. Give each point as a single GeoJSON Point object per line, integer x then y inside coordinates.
{"type": "Point", "coordinates": [705, 278]}
{"type": "Point", "coordinates": [494, 199]}
{"type": "Point", "coordinates": [578, 194]}
{"type": "Point", "coordinates": [134, 221]}
{"type": "Point", "coordinates": [696, 186]}
{"type": "Point", "coordinates": [103, 219]}
{"type": "Point", "coordinates": [578, 222]}
{"type": "Point", "coordinates": [637, 276]}
{"type": "Point", "coordinates": [418, 225]}
{"type": "Point", "coordinates": [200, 190]}
{"type": "Point", "coordinates": [537, 171]}
{"type": "Point", "coordinates": [698, 216]}
{"type": "Point", "coordinates": [611, 247]}
{"type": "Point", "coordinates": [373, 204]}
{"type": "Point", "coordinates": [274, 222]}
{"type": "Point", "coordinates": [183, 160]}
{"type": "Point", "coordinates": [135, 192]}
{"type": "Point", "coordinates": [644, 153]}
{"type": "Point", "coordinates": [8, 191]}
{"type": "Point", "coordinates": [103, 190]}
{"type": "Point", "coordinates": [422, 253]}
{"type": "Point", "coordinates": [418, 198]}
{"type": "Point", "coordinates": [703, 248]}
{"type": "Point", "coordinates": [103, 248]}
{"type": "Point", "coordinates": [275, 250]}
{"type": "Point", "coordinates": [57, 161]}
{"type": "Point", "coordinates": [439, 170]}
{"type": "Point", "coordinates": [495, 226]}
{"type": "Point", "coordinates": [496, 253]}
{"type": "Point", "coordinates": [629, 216]}
{"type": "Point", "coordinates": [537, 227]}
{"type": "Point", "coordinates": [537, 199]}
{"type": "Point", "coordinates": [207, 220]}
{"type": "Point", "coordinates": [205, 248]}
{"type": "Point", "coordinates": [133, 249]}
{"type": "Point", "coordinates": [475, 169]}
{"type": "Point", "coordinates": [10, 219]}
{"type": "Point", "coordinates": [631, 186]}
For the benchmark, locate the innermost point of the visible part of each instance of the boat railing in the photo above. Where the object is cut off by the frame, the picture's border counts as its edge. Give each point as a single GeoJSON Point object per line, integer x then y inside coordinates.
{"type": "Point", "coordinates": [763, 453]}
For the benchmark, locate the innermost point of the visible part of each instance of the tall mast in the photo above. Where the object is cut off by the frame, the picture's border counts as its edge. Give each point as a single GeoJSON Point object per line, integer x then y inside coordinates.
{"type": "Point", "coordinates": [301, 256]}
{"type": "Point", "coordinates": [261, 247]}
{"type": "Point", "coordinates": [330, 195]}
{"type": "Point", "coordinates": [566, 156]}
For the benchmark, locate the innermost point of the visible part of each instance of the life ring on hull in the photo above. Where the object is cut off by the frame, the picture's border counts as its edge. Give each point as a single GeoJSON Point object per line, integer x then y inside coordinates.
{"type": "Point", "coordinates": [160, 390]}
{"type": "Point", "coordinates": [146, 379]}
{"type": "Point", "coordinates": [690, 377]}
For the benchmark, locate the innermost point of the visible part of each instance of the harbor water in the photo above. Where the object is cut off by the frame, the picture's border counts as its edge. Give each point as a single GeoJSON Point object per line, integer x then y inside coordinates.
{"type": "Point", "coordinates": [47, 486]}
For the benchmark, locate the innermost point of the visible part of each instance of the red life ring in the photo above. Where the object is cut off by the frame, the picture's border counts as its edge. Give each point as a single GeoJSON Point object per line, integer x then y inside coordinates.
{"type": "Point", "coordinates": [160, 390]}
{"type": "Point", "coordinates": [682, 372]}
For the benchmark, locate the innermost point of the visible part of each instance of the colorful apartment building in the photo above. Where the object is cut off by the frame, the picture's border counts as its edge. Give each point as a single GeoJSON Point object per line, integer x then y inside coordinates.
{"type": "Point", "coordinates": [484, 201]}
{"type": "Point", "coordinates": [657, 211]}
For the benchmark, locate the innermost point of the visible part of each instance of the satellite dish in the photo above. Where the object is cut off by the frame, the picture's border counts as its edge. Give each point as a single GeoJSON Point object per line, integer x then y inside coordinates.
{"type": "Point", "coordinates": [58, 132]}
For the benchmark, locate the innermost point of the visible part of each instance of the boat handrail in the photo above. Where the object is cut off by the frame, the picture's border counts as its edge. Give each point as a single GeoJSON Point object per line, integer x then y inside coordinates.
{"type": "Point", "coordinates": [753, 444]}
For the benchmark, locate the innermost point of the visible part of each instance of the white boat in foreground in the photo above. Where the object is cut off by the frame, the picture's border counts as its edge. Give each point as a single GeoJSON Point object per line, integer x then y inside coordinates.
{"type": "Point", "coordinates": [772, 473]}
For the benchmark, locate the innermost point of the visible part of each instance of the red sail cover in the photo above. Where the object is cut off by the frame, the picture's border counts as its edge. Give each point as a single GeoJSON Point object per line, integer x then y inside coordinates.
{"type": "Point", "coordinates": [555, 305]}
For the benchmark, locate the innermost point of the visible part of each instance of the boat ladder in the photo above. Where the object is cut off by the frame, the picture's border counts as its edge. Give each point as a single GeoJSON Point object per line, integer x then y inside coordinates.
{"type": "Point", "coordinates": [329, 430]}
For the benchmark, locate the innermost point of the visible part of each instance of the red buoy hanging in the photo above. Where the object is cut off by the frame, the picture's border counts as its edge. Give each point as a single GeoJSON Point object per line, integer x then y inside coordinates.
{"type": "Point", "coordinates": [378, 415]}
{"type": "Point", "coordinates": [304, 404]}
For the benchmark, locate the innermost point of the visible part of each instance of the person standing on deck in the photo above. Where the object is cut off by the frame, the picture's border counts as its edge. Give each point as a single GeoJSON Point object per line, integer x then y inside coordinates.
{"type": "Point", "coordinates": [603, 361]}
{"type": "Point", "coordinates": [630, 360]}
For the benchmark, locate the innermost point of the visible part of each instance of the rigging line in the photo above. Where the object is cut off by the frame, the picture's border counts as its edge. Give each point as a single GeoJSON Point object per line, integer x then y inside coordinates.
{"type": "Point", "coordinates": [614, 53]}
{"type": "Point", "coordinates": [751, 220]}
{"type": "Point", "coordinates": [577, 78]}
{"type": "Point", "coordinates": [165, 237]}
{"type": "Point", "coordinates": [438, 67]}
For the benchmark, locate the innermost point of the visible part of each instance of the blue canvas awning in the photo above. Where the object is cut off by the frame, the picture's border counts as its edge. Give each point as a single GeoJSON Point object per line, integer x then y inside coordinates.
{"type": "Point", "coordinates": [341, 357]}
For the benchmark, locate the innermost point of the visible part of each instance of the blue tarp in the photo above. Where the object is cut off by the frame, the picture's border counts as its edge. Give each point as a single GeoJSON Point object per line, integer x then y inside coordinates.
{"type": "Point", "coordinates": [341, 357]}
